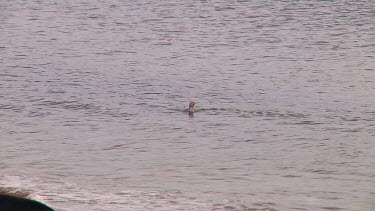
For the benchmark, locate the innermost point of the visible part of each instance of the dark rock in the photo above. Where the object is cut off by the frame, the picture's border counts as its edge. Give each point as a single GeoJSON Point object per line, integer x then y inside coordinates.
{"type": "Point", "coordinates": [15, 203]}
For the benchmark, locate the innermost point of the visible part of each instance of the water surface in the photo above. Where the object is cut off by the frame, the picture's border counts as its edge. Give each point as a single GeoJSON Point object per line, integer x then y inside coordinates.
{"type": "Point", "coordinates": [92, 96]}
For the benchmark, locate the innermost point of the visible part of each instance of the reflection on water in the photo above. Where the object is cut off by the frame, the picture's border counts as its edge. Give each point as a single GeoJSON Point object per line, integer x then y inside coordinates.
{"type": "Point", "coordinates": [92, 96]}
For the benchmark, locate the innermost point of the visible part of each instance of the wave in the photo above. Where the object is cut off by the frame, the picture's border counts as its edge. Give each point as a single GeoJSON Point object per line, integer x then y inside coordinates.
{"type": "Point", "coordinates": [72, 197]}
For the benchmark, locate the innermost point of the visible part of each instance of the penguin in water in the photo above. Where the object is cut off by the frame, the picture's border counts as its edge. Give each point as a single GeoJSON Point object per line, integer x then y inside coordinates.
{"type": "Point", "coordinates": [10, 202]}
{"type": "Point", "coordinates": [191, 108]}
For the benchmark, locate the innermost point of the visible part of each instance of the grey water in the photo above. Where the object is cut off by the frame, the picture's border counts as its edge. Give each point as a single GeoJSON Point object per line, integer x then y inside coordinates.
{"type": "Point", "coordinates": [92, 95]}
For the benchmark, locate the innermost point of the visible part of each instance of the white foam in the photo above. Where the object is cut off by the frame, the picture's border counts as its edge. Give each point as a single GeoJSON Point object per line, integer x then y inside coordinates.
{"type": "Point", "coordinates": [64, 195]}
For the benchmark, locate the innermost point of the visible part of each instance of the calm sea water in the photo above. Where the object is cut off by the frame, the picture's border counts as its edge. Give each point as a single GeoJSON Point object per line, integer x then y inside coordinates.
{"type": "Point", "coordinates": [92, 95]}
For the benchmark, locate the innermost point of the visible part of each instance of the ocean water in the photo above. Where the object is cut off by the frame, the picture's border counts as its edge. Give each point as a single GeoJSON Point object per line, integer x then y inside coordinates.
{"type": "Point", "coordinates": [92, 99]}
